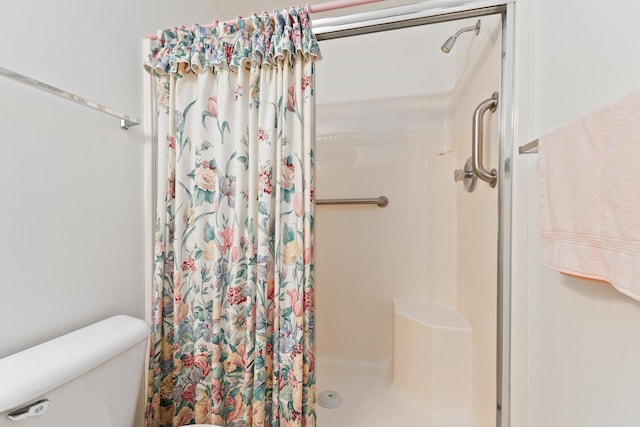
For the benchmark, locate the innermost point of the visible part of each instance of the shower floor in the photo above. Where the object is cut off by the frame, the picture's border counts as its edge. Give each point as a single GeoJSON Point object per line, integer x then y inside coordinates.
{"type": "Point", "coordinates": [370, 399]}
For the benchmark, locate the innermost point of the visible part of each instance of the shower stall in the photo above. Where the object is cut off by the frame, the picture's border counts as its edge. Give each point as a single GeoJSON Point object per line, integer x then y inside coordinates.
{"type": "Point", "coordinates": [411, 325]}
{"type": "Point", "coordinates": [412, 286]}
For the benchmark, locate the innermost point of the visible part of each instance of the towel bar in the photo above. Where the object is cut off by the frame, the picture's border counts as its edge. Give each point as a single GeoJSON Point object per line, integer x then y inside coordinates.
{"type": "Point", "coordinates": [529, 148]}
{"type": "Point", "coordinates": [126, 121]}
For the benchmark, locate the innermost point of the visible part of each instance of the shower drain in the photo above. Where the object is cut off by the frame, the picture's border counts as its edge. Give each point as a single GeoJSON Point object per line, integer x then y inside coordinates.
{"type": "Point", "coordinates": [329, 399]}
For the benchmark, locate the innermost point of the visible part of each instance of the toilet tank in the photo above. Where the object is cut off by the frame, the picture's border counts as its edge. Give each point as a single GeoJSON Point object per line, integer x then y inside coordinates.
{"type": "Point", "coordinates": [89, 377]}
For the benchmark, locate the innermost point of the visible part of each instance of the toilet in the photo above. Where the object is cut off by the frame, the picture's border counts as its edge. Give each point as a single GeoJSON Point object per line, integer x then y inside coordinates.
{"type": "Point", "coordinates": [88, 377]}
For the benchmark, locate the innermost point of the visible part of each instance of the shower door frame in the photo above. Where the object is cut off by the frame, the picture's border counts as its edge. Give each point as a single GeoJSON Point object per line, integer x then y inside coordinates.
{"type": "Point", "coordinates": [506, 120]}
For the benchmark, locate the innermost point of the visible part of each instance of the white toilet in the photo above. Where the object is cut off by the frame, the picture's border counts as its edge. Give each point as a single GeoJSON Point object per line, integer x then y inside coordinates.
{"type": "Point", "coordinates": [89, 377]}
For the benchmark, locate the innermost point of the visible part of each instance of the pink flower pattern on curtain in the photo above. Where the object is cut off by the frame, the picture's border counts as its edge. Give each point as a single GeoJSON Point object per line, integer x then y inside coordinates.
{"type": "Point", "coordinates": [233, 293]}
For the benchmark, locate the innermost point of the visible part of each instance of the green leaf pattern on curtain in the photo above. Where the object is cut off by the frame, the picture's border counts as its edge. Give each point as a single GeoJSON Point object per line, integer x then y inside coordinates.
{"type": "Point", "coordinates": [233, 299]}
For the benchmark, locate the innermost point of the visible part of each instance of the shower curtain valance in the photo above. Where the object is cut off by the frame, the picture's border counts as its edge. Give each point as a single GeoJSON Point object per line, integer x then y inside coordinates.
{"type": "Point", "coordinates": [262, 40]}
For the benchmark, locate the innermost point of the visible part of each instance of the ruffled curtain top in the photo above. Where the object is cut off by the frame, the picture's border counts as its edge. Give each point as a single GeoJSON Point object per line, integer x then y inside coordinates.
{"type": "Point", "coordinates": [258, 40]}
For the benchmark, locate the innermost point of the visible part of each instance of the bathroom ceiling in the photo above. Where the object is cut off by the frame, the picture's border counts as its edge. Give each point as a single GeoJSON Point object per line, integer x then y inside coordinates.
{"type": "Point", "coordinates": [229, 10]}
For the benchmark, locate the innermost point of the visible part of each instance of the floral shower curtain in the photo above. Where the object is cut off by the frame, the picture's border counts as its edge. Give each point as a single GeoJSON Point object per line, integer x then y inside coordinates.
{"type": "Point", "coordinates": [233, 305]}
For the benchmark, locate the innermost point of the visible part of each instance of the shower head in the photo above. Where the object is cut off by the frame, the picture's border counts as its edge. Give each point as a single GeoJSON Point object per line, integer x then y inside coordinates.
{"type": "Point", "coordinates": [448, 45]}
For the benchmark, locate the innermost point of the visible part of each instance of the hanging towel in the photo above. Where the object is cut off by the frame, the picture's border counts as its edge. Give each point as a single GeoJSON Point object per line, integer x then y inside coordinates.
{"type": "Point", "coordinates": [590, 196]}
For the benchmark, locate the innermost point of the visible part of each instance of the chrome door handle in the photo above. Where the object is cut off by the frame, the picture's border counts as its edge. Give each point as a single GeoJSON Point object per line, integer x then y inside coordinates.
{"type": "Point", "coordinates": [477, 142]}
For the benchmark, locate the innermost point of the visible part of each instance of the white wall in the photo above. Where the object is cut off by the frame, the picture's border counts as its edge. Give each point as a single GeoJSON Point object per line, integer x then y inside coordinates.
{"type": "Point", "coordinates": [576, 343]}
{"type": "Point", "coordinates": [71, 219]}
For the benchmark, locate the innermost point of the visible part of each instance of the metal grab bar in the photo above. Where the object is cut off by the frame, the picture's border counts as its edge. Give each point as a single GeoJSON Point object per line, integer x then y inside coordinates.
{"type": "Point", "coordinates": [381, 201]}
{"type": "Point", "coordinates": [477, 140]}
{"type": "Point", "coordinates": [125, 120]}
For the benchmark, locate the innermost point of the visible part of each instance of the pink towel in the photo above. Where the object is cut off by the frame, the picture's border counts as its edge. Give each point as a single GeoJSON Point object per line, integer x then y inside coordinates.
{"type": "Point", "coordinates": [590, 196]}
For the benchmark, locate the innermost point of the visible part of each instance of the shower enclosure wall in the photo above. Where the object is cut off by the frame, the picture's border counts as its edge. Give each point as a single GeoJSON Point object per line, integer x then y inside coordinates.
{"type": "Point", "coordinates": [406, 294]}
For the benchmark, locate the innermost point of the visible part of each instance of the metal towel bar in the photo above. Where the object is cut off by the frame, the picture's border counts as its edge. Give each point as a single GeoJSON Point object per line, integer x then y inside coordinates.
{"type": "Point", "coordinates": [125, 120]}
{"type": "Point", "coordinates": [529, 148]}
{"type": "Point", "coordinates": [381, 201]}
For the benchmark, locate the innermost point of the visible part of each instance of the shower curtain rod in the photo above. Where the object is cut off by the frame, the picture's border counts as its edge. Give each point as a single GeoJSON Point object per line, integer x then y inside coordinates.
{"type": "Point", "coordinates": [397, 17]}
{"type": "Point", "coordinates": [322, 7]}
{"type": "Point", "coordinates": [125, 120]}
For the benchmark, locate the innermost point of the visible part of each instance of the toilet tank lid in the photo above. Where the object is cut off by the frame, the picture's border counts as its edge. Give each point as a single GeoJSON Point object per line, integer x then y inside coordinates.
{"type": "Point", "coordinates": [27, 375]}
